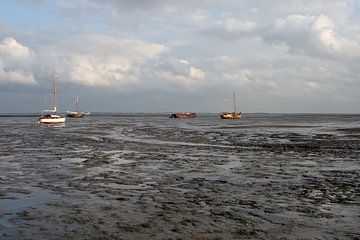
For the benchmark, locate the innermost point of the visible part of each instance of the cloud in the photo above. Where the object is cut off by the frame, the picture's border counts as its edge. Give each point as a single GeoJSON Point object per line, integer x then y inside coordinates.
{"type": "Point", "coordinates": [240, 77]}
{"type": "Point", "coordinates": [100, 60]}
{"type": "Point", "coordinates": [235, 26]}
{"type": "Point", "coordinates": [15, 63]}
{"type": "Point", "coordinates": [312, 86]}
{"type": "Point", "coordinates": [194, 72]}
{"type": "Point", "coordinates": [263, 50]}
{"type": "Point", "coordinates": [316, 36]}
{"type": "Point", "coordinates": [14, 52]}
{"type": "Point", "coordinates": [232, 28]}
{"type": "Point", "coordinates": [178, 74]}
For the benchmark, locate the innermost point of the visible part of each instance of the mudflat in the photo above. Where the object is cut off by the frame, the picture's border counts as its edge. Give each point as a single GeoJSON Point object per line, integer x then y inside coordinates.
{"type": "Point", "coordinates": [266, 176]}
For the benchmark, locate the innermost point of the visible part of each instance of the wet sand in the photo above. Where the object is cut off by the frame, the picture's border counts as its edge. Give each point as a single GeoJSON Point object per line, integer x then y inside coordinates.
{"type": "Point", "coordinates": [132, 177]}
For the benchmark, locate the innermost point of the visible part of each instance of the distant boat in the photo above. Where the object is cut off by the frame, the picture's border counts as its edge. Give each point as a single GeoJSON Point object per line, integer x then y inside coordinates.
{"type": "Point", "coordinates": [77, 114]}
{"type": "Point", "coordinates": [231, 115]}
{"type": "Point", "coordinates": [46, 115]}
{"type": "Point", "coordinates": [183, 115]}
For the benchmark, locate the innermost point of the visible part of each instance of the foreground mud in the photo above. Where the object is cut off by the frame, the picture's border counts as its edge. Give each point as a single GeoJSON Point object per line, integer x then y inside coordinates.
{"type": "Point", "coordinates": [103, 177]}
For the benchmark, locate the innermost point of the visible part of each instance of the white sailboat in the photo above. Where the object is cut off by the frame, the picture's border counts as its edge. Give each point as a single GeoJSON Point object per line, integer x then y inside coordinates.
{"type": "Point", "coordinates": [231, 115]}
{"type": "Point", "coordinates": [77, 113]}
{"type": "Point", "coordinates": [49, 116]}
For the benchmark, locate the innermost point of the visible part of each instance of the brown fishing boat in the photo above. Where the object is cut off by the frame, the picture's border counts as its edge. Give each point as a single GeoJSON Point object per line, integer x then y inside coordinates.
{"type": "Point", "coordinates": [231, 115]}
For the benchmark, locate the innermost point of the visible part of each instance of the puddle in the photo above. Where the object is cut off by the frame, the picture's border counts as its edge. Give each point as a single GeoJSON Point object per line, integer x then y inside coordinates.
{"type": "Point", "coordinates": [17, 203]}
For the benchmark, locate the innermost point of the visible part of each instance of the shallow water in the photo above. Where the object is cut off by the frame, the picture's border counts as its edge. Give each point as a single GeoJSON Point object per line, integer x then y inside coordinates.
{"type": "Point", "coordinates": [266, 176]}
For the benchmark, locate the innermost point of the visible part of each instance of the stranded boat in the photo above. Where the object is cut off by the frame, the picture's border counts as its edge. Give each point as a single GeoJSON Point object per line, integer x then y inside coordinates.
{"type": "Point", "coordinates": [51, 117]}
{"type": "Point", "coordinates": [77, 113]}
{"type": "Point", "coordinates": [231, 115]}
{"type": "Point", "coordinates": [183, 115]}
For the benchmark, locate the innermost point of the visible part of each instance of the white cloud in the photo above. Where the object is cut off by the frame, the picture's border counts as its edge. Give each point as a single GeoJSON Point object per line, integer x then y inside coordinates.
{"type": "Point", "coordinates": [239, 77]}
{"type": "Point", "coordinates": [316, 36]}
{"type": "Point", "coordinates": [312, 86]}
{"type": "Point", "coordinates": [14, 51]}
{"type": "Point", "coordinates": [184, 62]}
{"type": "Point", "coordinates": [235, 26]}
{"type": "Point", "coordinates": [196, 73]}
{"type": "Point", "coordinates": [97, 71]}
{"type": "Point", "coordinates": [178, 74]}
{"type": "Point", "coordinates": [331, 42]}
{"type": "Point", "coordinates": [98, 60]}
{"type": "Point", "coordinates": [232, 28]}
{"type": "Point", "coordinates": [15, 63]}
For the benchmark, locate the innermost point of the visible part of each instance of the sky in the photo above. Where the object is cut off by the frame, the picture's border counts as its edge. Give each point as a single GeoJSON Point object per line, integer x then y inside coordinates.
{"type": "Point", "coordinates": [277, 56]}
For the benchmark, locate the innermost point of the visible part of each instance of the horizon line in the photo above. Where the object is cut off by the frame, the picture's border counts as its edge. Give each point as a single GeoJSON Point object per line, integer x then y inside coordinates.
{"type": "Point", "coordinates": [163, 113]}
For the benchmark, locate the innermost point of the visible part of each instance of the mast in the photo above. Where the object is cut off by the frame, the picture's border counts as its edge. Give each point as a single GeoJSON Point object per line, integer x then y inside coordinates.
{"type": "Point", "coordinates": [234, 104]}
{"type": "Point", "coordinates": [77, 103]}
{"type": "Point", "coordinates": [54, 91]}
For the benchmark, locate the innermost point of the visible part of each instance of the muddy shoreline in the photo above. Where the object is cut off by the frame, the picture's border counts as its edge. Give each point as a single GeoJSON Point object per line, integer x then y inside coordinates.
{"type": "Point", "coordinates": [282, 177]}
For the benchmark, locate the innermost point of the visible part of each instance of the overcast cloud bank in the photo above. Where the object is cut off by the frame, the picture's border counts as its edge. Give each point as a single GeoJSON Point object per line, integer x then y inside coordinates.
{"type": "Point", "coordinates": [307, 54]}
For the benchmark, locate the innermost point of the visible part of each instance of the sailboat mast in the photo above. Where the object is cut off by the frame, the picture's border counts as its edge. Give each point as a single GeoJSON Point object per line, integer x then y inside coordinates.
{"type": "Point", "coordinates": [234, 104]}
{"type": "Point", "coordinates": [54, 90]}
{"type": "Point", "coordinates": [77, 103]}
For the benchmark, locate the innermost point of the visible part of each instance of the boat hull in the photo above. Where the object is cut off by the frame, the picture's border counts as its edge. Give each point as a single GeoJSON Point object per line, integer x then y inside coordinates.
{"type": "Point", "coordinates": [76, 114]}
{"type": "Point", "coordinates": [230, 116]}
{"type": "Point", "coordinates": [183, 115]}
{"type": "Point", "coordinates": [52, 119]}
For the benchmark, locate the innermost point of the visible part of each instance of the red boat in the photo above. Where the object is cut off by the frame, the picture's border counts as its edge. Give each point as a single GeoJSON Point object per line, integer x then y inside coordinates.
{"type": "Point", "coordinates": [183, 115]}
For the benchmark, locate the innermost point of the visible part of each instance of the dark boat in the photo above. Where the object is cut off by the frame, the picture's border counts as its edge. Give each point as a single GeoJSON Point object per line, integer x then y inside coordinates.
{"type": "Point", "coordinates": [77, 113]}
{"type": "Point", "coordinates": [183, 115]}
